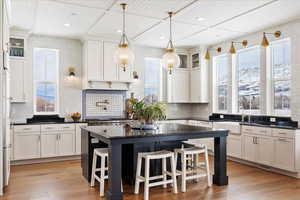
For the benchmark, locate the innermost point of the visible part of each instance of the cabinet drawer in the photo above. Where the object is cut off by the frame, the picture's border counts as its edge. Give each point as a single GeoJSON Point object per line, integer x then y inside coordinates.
{"type": "Point", "coordinates": [50, 127]}
{"type": "Point", "coordinates": [66, 127]}
{"type": "Point", "coordinates": [27, 128]}
{"type": "Point", "coordinates": [256, 130]}
{"type": "Point", "coordinates": [276, 132]}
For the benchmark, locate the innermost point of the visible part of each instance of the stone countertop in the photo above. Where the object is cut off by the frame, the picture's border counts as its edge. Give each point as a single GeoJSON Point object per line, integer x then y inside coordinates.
{"type": "Point", "coordinates": [125, 131]}
{"type": "Point", "coordinates": [269, 125]}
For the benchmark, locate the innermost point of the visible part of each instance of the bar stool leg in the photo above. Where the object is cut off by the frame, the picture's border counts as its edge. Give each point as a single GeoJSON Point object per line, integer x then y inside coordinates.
{"type": "Point", "coordinates": [183, 171]}
{"type": "Point", "coordinates": [173, 168]}
{"type": "Point", "coordinates": [102, 174]}
{"type": "Point", "coordinates": [207, 168]}
{"type": "Point", "coordinates": [195, 165]}
{"type": "Point", "coordinates": [164, 170]}
{"type": "Point", "coordinates": [138, 174]}
{"type": "Point", "coordinates": [146, 186]}
{"type": "Point", "coordinates": [94, 165]}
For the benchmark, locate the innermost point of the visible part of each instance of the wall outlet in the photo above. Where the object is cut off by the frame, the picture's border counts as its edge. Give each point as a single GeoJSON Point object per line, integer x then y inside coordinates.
{"type": "Point", "coordinates": [272, 119]}
{"type": "Point", "coordinates": [222, 116]}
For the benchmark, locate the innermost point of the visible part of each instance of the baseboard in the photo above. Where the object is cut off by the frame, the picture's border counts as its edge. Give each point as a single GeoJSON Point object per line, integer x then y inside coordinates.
{"type": "Point", "coordinates": [45, 160]}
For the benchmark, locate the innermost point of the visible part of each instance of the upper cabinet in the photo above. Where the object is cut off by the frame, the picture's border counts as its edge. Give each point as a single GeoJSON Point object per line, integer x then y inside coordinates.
{"type": "Point", "coordinates": [17, 66]}
{"type": "Point", "coordinates": [189, 82]}
{"type": "Point", "coordinates": [195, 60]}
{"type": "Point", "coordinates": [100, 70]}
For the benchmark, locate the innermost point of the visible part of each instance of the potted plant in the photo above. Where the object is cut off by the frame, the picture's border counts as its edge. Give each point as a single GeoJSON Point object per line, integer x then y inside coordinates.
{"type": "Point", "coordinates": [147, 114]}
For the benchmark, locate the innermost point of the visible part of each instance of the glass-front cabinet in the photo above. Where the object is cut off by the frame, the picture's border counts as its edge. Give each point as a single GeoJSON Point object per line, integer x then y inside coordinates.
{"type": "Point", "coordinates": [195, 60]}
{"type": "Point", "coordinates": [183, 60]}
{"type": "Point", "coordinates": [17, 47]}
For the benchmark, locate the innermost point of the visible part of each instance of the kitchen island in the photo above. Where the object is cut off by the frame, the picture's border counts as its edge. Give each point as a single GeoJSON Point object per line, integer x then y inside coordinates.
{"type": "Point", "coordinates": [118, 136]}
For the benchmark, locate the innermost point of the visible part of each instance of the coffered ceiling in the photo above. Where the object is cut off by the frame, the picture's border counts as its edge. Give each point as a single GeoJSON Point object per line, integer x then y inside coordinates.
{"type": "Point", "coordinates": [196, 21]}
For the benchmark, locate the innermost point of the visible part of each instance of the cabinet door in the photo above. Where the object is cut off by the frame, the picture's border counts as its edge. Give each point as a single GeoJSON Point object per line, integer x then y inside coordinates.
{"type": "Point", "coordinates": [234, 146]}
{"type": "Point", "coordinates": [66, 143]}
{"type": "Point", "coordinates": [284, 155]}
{"type": "Point", "coordinates": [17, 67]}
{"type": "Point", "coordinates": [110, 67]}
{"type": "Point", "coordinates": [78, 138]}
{"type": "Point", "coordinates": [180, 86]}
{"type": "Point", "coordinates": [195, 86]}
{"type": "Point", "coordinates": [249, 151]}
{"type": "Point", "coordinates": [94, 61]}
{"type": "Point", "coordinates": [49, 145]}
{"type": "Point", "coordinates": [27, 146]}
{"type": "Point", "coordinates": [265, 150]}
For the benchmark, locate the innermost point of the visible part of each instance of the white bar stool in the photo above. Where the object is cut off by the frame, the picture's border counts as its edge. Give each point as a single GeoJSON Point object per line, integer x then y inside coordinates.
{"type": "Point", "coordinates": [103, 154]}
{"type": "Point", "coordinates": [192, 171]}
{"type": "Point", "coordinates": [146, 179]}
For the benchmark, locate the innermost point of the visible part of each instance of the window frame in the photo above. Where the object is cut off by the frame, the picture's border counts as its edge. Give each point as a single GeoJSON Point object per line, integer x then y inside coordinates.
{"type": "Point", "coordinates": [237, 97]}
{"type": "Point", "coordinates": [216, 83]}
{"type": "Point", "coordinates": [35, 83]}
{"type": "Point", "coordinates": [160, 87]}
{"type": "Point", "coordinates": [273, 80]}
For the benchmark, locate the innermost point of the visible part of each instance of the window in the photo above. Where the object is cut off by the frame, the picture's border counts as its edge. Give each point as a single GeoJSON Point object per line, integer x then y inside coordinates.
{"type": "Point", "coordinates": [281, 76]}
{"type": "Point", "coordinates": [222, 77]}
{"type": "Point", "coordinates": [153, 72]}
{"type": "Point", "coordinates": [248, 71]}
{"type": "Point", "coordinates": [45, 62]}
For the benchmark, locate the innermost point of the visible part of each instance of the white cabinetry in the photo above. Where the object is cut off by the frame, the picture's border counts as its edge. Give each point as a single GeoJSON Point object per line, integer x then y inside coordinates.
{"type": "Point", "coordinates": [178, 86]}
{"type": "Point", "coordinates": [45, 141]}
{"type": "Point", "coordinates": [284, 152]}
{"type": "Point", "coordinates": [234, 146]}
{"type": "Point", "coordinates": [100, 70]}
{"type": "Point", "coordinates": [270, 146]}
{"type": "Point", "coordinates": [94, 60]}
{"type": "Point", "coordinates": [17, 75]}
{"type": "Point", "coordinates": [27, 142]}
{"type": "Point", "coordinates": [49, 145]}
{"type": "Point", "coordinates": [110, 67]}
{"type": "Point", "coordinates": [195, 88]}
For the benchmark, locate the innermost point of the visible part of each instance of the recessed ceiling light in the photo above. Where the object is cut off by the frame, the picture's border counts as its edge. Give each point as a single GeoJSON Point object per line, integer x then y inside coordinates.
{"type": "Point", "coordinates": [200, 19]}
{"type": "Point", "coordinates": [67, 25]}
{"type": "Point", "coordinates": [162, 37]}
{"type": "Point", "coordinates": [119, 31]}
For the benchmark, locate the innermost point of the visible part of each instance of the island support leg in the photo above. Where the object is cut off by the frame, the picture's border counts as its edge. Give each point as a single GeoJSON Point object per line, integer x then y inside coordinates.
{"type": "Point", "coordinates": [114, 172]}
{"type": "Point", "coordinates": [220, 176]}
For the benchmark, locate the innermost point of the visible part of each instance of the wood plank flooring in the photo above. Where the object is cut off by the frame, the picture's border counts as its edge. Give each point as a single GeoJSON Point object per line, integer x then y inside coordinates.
{"type": "Point", "coordinates": [63, 181]}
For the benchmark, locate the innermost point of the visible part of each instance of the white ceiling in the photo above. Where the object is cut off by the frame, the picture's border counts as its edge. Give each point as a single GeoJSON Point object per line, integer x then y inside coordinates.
{"type": "Point", "coordinates": [147, 22]}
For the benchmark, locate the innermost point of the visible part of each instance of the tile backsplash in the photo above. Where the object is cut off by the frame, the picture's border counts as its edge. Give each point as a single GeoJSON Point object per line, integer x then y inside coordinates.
{"type": "Point", "coordinates": [99, 104]}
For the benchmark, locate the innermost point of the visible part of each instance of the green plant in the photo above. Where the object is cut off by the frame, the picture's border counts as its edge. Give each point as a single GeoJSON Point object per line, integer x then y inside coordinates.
{"type": "Point", "coordinates": [148, 113]}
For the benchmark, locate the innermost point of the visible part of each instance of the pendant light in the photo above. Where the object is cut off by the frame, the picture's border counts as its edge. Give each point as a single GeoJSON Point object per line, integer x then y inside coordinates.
{"type": "Point", "coordinates": [265, 42]}
{"type": "Point", "coordinates": [207, 55]}
{"type": "Point", "coordinates": [232, 49]}
{"type": "Point", "coordinates": [124, 56]}
{"type": "Point", "coordinates": [170, 59]}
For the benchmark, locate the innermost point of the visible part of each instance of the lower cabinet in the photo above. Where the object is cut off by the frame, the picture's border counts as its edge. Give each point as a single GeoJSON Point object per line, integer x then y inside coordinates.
{"type": "Point", "coordinates": [49, 145]}
{"type": "Point", "coordinates": [234, 146]}
{"type": "Point", "coordinates": [78, 138]}
{"type": "Point", "coordinates": [258, 149]}
{"type": "Point", "coordinates": [57, 144]}
{"type": "Point", "coordinates": [27, 145]}
{"type": "Point", "coordinates": [284, 154]}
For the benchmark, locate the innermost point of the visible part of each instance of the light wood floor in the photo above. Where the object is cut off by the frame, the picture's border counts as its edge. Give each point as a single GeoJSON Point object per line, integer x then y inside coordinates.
{"type": "Point", "coordinates": [63, 181]}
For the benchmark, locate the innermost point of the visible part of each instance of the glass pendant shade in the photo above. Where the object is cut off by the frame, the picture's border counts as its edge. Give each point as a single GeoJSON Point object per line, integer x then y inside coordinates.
{"type": "Point", "coordinates": [171, 60]}
{"type": "Point", "coordinates": [124, 56]}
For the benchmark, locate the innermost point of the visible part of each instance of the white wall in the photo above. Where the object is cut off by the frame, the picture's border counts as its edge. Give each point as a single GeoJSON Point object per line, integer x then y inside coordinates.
{"type": "Point", "coordinates": [289, 30]}
{"type": "Point", "coordinates": [70, 97]}
{"type": "Point", "coordinates": [69, 55]}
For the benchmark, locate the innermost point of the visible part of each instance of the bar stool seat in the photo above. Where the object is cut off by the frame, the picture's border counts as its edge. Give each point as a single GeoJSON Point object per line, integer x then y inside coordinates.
{"type": "Point", "coordinates": [191, 168]}
{"type": "Point", "coordinates": [148, 156]}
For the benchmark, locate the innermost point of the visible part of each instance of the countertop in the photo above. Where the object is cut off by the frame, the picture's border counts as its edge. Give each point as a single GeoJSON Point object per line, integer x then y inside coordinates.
{"type": "Point", "coordinates": [168, 129]}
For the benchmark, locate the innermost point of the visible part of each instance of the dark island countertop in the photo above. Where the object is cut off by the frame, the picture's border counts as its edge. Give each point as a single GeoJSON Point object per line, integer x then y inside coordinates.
{"type": "Point", "coordinates": [166, 129]}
